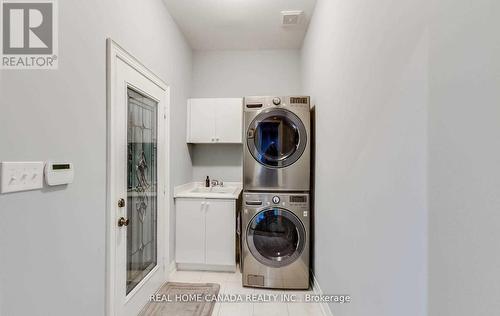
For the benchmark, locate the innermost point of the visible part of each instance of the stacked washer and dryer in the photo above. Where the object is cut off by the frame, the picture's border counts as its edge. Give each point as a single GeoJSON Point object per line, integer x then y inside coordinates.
{"type": "Point", "coordinates": [275, 227]}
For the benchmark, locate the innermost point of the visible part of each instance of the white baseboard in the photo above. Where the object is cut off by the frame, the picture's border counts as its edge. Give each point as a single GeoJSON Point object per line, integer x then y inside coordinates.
{"type": "Point", "coordinates": [171, 268]}
{"type": "Point", "coordinates": [206, 267]}
{"type": "Point", "coordinates": [325, 308]}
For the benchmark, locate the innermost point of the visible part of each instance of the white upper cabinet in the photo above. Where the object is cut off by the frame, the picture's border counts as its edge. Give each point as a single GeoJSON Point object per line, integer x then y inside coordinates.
{"type": "Point", "coordinates": [201, 121]}
{"type": "Point", "coordinates": [229, 120]}
{"type": "Point", "coordinates": [215, 120]}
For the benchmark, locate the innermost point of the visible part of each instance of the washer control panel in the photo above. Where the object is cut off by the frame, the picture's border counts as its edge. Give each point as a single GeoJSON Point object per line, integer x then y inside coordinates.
{"type": "Point", "coordinates": [256, 200]}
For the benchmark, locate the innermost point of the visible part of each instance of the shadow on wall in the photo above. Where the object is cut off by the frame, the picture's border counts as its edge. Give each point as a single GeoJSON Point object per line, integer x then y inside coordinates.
{"type": "Point", "coordinates": [311, 193]}
{"type": "Point", "coordinates": [216, 155]}
{"type": "Point", "coordinates": [222, 161]}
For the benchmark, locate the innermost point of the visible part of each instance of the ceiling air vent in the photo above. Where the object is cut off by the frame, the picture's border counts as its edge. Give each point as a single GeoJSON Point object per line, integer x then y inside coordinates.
{"type": "Point", "coordinates": [292, 17]}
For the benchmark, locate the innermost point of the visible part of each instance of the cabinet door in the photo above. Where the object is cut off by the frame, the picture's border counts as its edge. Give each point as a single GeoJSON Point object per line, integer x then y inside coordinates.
{"type": "Point", "coordinates": [228, 120]}
{"type": "Point", "coordinates": [190, 231]}
{"type": "Point", "coordinates": [201, 121]}
{"type": "Point", "coordinates": [220, 232]}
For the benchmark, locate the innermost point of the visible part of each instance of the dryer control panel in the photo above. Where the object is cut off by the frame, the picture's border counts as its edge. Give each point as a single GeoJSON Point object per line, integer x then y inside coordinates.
{"type": "Point", "coordinates": [253, 103]}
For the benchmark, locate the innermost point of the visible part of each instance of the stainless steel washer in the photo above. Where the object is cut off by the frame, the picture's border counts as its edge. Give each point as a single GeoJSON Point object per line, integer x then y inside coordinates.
{"type": "Point", "coordinates": [276, 153]}
{"type": "Point", "coordinates": [275, 240]}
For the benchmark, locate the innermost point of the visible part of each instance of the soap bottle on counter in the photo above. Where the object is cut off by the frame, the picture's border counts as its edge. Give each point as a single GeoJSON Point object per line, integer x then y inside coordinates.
{"type": "Point", "coordinates": [207, 182]}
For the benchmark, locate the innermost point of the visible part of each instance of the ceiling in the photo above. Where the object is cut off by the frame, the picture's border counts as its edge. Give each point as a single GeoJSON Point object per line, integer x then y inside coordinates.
{"type": "Point", "coordinates": [239, 24]}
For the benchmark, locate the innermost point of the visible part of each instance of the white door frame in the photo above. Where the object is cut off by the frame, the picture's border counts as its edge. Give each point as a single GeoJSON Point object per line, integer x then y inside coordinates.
{"type": "Point", "coordinates": [115, 52]}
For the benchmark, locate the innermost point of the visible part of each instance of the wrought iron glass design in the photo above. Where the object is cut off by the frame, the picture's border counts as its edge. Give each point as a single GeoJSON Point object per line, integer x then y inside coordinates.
{"type": "Point", "coordinates": [142, 204]}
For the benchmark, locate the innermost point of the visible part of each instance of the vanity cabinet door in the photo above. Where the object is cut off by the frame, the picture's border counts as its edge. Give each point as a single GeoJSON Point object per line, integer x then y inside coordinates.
{"type": "Point", "coordinates": [190, 231]}
{"type": "Point", "coordinates": [220, 232]}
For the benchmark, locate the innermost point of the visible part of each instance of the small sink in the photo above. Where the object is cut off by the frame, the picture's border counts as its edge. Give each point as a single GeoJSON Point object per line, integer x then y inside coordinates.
{"type": "Point", "coordinates": [199, 191]}
{"type": "Point", "coordinates": [215, 190]}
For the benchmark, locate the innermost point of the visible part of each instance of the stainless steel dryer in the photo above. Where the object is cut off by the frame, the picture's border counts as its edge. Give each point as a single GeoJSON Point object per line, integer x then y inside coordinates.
{"type": "Point", "coordinates": [275, 240]}
{"type": "Point", "coordinates": [276, 154]}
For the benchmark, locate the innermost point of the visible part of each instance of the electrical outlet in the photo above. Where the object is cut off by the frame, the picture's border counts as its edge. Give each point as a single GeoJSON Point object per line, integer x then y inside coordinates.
{"type": "Point", "coordinates": [21, 176]}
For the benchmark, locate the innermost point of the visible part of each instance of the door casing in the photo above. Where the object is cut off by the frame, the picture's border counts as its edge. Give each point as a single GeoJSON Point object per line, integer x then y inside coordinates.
{"type": "Point", "coordinates": [114, 52]}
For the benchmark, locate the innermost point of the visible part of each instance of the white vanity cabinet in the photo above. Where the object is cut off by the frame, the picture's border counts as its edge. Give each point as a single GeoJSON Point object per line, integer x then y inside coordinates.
{"type": "Point", "coordinates": [205, 234]}
{"type": "Point", "coordinates": [215, 120]}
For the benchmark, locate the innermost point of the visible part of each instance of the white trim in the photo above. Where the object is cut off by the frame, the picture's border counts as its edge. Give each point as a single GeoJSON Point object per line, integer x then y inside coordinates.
{"type": "Point", "coordinates": [171, 268]}
{"type": "Point", "coordinates": [325, 308]}
{"type": "Point", "coordinates": [141, 283]}
{"type": "Point", "coordinates": [188, 122]}
{"type": "Point", "coordinates": [206, 267]}
{"type": "Point", "coordinates": [168, 197]}
{"type": "Point", "coordinates": [113, 52]}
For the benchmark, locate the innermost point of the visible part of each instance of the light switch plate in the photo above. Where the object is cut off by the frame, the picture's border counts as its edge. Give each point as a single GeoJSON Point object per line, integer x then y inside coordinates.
{"type": "Point", "coordinates": [21, 176]}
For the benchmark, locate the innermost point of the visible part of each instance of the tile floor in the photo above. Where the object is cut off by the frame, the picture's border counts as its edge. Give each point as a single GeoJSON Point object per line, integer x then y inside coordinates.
{"type": "Point", "coordinates": [230, 283]}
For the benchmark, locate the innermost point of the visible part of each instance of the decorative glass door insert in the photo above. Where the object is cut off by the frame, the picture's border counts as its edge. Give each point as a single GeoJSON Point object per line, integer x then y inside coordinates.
{"type": "Point", "coordinates": [142, 203]}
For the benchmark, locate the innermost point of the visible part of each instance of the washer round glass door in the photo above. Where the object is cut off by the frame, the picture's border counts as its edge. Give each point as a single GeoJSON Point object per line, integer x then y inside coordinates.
{"type": "Point", "coordinates": [276, 138]}
{"type": "Point", "coordinates": [276, 237]}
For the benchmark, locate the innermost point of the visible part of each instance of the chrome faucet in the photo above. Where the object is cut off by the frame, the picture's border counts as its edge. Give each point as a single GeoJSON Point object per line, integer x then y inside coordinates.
{"type": "Point", "coordinates": [217, 183]}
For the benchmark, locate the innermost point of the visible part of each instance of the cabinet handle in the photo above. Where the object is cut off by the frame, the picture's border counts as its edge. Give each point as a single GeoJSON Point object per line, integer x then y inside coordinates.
{"type": "Point", "coordinates": [217, 139]}
{"type": "Point", "coordinates": [213, 139]}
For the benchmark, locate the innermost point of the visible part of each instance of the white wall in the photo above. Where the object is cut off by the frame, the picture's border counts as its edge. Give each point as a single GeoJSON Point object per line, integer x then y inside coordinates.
{"type": "Point", "coordinates": [247, 72]}
{"type": "Point", "coordinates": [238, 74]}
{"type": "Point", "coordinates": [222, 162]}
{"type": "Point", "coordinates": [464, 158]}
{"type": "Point", "coordinates": [52, 242]}
{"type": "Point", "coordinates": [365, 65]}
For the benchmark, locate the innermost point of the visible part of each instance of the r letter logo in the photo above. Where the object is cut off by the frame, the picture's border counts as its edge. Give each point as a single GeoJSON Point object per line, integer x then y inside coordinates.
{"type": "Point", "coordinates": [29, 34]}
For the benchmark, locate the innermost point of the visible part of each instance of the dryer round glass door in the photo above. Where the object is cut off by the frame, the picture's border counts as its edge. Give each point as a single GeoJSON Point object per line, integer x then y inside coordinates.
{"type": "Point", "coordinates": [276, 138]}
{"type": "Point", "coordinates": [276, 237]}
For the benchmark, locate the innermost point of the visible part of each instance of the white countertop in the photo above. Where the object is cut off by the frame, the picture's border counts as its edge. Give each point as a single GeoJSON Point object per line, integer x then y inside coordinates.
{"type": "Point", "coordinates": [230, 190]}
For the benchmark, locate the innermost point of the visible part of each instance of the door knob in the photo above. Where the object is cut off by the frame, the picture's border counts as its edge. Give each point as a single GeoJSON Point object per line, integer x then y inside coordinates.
{"type": "Point", "coordinates": [123, 222]}
{"type": "Point", "coordinates": [121, 203]}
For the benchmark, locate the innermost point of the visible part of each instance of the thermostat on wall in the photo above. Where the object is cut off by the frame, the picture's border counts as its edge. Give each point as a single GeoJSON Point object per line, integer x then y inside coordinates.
{"type": "Point", "coordinates": [57, 173]}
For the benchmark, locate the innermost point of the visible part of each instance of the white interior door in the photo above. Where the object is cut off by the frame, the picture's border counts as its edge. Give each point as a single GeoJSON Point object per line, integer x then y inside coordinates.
{"type": "Point", "coordinates": [137, 188]}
